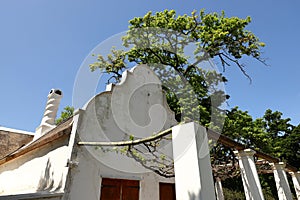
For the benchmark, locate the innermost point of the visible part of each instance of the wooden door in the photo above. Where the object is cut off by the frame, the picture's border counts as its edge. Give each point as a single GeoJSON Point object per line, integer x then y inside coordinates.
{"type": "Point", "coordinates": [167, 191]}
{"type": "Point", "coordinates": [130, 190]}
{"type": "Point", "coordinates": [119, 189]}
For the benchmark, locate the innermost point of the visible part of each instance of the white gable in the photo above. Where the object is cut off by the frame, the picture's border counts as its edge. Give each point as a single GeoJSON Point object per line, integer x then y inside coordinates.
{"type": "Point", "coordinates": [137, 106]}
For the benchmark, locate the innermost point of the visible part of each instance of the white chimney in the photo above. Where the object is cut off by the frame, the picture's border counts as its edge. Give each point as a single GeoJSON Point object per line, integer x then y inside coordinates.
{"type": "Point", "coordinates": [48, 121]}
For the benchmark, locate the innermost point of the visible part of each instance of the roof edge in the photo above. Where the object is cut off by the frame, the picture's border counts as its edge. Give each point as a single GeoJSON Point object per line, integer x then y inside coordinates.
{"type": "Point", "coordinates": [58, 132]}
{"type": "Point", "coordinates": [2, 128]}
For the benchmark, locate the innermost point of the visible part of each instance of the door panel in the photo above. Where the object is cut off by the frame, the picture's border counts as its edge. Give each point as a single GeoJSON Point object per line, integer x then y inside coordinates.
{"type": "Point", "coordinates": [130, 190]}
{"type": "Point", "coordinates": [119, 189]}
{"type": "Point", "coordinates": [110, 189]}
{"type": "Point", "coordinates": [167, 191]}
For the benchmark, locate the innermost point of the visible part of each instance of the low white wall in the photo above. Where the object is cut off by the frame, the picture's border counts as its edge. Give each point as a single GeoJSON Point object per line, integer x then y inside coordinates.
{"type": "Point", "coordinates": [149, 185]}
{"type": "Point", "coordinates": [33, 196]}
{"type": "Point", "coordinates": [86, 179]}
{"type": "Point", "coordinates": [43, 170]}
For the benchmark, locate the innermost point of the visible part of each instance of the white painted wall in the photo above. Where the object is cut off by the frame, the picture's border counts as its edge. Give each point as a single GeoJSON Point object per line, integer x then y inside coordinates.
{"type": "Point", "coordinates": [296, 182]}
{"type": "Point", "coordinates": [282, 184]}
{"type": "Point", "coordinates": [193, 172]}
{"type": "Point", "coordinates": [34, 196]}
{"type": "Point", "coordinates": [40, 170]}
{"type": "Point", "coordinates": [219, 189]}
{"type": "Point", "coordinates": [251, 183]}
{"type": "Point", "coordinates": [137, 106]}
{"type": "Point", "coordinates": [86, 179]}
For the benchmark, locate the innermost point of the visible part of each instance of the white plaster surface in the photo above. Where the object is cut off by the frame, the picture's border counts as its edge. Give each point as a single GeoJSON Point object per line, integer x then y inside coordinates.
{"type": "Point", "coordinates": [251, 183]}
{"type": "Point", "coordinates": [34, 196]}
{"type": "Point", "coordinates": [135, 107]}
{"type": "Point", "coordinates": [219, 189]}
{"type": "Point", "coordinates": [40, 170]}
{"type": "Point", "coordinates": [15, 130]}
{"type": "Point", "coordinates": [86, 179]}
{"type": "Point", "coordinates": [48, 120]}
{"type": "Point", "coordinates": [296, 182]}
{"type": "Point", "coordinates": [193, 172]}
{"type": "Point", "coordinates": [39, 174]}
{"type": "Point", "coordinates": [283, 188]}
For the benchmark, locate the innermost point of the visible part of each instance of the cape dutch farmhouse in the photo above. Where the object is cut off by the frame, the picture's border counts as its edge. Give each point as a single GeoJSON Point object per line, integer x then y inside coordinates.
{"type": "Point", "coordinates": [49, 164]}
{"type": "Point", "coordinates": [76, 160]}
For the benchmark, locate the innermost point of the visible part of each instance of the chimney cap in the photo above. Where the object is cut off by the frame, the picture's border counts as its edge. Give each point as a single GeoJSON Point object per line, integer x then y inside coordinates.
{"type": "Point", "coordinates": [56, 91]}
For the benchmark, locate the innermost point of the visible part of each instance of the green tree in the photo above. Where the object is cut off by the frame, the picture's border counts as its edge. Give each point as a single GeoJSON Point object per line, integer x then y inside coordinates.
{"type": "Point", "coordinates": [290, 147]}
{"type": "Point", "coordinates": [65, 114]}
{"type": "Point", "coordinates": [162, 38]}
{"type": "Point", "coordinates": [283, 136]}
{"type": "Point", "coordinates": [271, 134]}
{"type": "Point", "coordinates": [240, 126]}
{"type": "Point", "coordinates": [218, 36]}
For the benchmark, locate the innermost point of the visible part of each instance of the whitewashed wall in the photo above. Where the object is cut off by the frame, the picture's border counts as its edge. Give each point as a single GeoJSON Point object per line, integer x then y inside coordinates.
{"type": "Point", "coordinates": [137, 106]}
{"type": "Point", "coordinates": [86, 179]}
{"type": "Point", "coordinates": [41, 170]}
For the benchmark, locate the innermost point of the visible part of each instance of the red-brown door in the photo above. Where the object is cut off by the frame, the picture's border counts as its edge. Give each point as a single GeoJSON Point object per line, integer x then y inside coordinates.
{"type": "Point", "coordinates": [167, 191]}
{"type": "Point", "coordinates": [130, 190]}
{"type": "Point", "coordinates": [119, 189]}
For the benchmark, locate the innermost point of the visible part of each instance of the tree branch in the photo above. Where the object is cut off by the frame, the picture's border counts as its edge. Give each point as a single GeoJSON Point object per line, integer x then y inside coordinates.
{"type": "Point", "coordinates": [236, 62]}
{"type": "Point", "coordinates": [127, 143]}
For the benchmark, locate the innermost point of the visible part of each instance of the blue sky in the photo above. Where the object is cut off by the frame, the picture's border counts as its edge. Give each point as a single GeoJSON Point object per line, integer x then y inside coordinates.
{"type": "Point", "coordinates": [44, 42]}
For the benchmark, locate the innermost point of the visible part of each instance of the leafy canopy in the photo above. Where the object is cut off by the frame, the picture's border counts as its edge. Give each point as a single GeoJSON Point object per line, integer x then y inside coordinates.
{"type": "Point", "coordinates": [214, 35]}
{"type": "Point", "coordinates": [65, 114]}
{"type": "Point", "coordinates": [162, 40]}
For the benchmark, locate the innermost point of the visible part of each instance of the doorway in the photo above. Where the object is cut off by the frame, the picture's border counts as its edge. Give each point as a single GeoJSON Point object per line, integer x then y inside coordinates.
{"type": "Point", "coordinates": [167, 191]}
{"type": "Point", "coordinates": [119, 189]}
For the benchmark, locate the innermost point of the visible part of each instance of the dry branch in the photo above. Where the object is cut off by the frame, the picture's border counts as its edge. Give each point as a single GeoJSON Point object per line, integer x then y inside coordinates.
{"type": "Point", "coordinates": [131, 142]}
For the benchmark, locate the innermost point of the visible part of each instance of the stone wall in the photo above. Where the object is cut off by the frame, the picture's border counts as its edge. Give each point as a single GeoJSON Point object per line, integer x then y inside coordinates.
{"type": "Point", "coordinates": [11, 141]}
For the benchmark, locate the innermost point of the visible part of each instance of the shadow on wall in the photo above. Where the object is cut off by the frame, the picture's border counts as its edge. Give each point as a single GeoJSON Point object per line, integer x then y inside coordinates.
{"type": "Point", "coordinates": [194, 196]}
{"type": "Point", "coordinates": [37, 153]}
{"type": "Point", "coordinates": [46, 182]}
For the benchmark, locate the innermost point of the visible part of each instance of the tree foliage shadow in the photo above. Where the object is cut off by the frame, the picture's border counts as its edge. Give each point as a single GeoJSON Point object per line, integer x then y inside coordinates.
{"type": "Point", "coordinates": [46, 182]}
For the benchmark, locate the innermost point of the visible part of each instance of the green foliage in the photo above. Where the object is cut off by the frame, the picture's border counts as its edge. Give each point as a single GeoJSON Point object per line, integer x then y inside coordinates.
{"type": "Point", "coordinates": [65, 114]}
{"type": "Point", "coordinates": [268, 186]}
{"type": "Point", "coordinates": [239, 195]}
{"type": "Point", "coordinates": [233, 188]}
{"type": "Point", "coordinates": [284, 137]}
{"type": "Point", "coordinates": [131, 137]}
{"type": "Point", "coordinates": [271, 134]}
{"type": "Point", "coordinates": [240, 126]}
{"type": "Point", "coordinates": [290, 147]}
{"type": "Point", "coordinates": [161, 38]}
{"type": "Point", "coordinates": [233, 194]}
